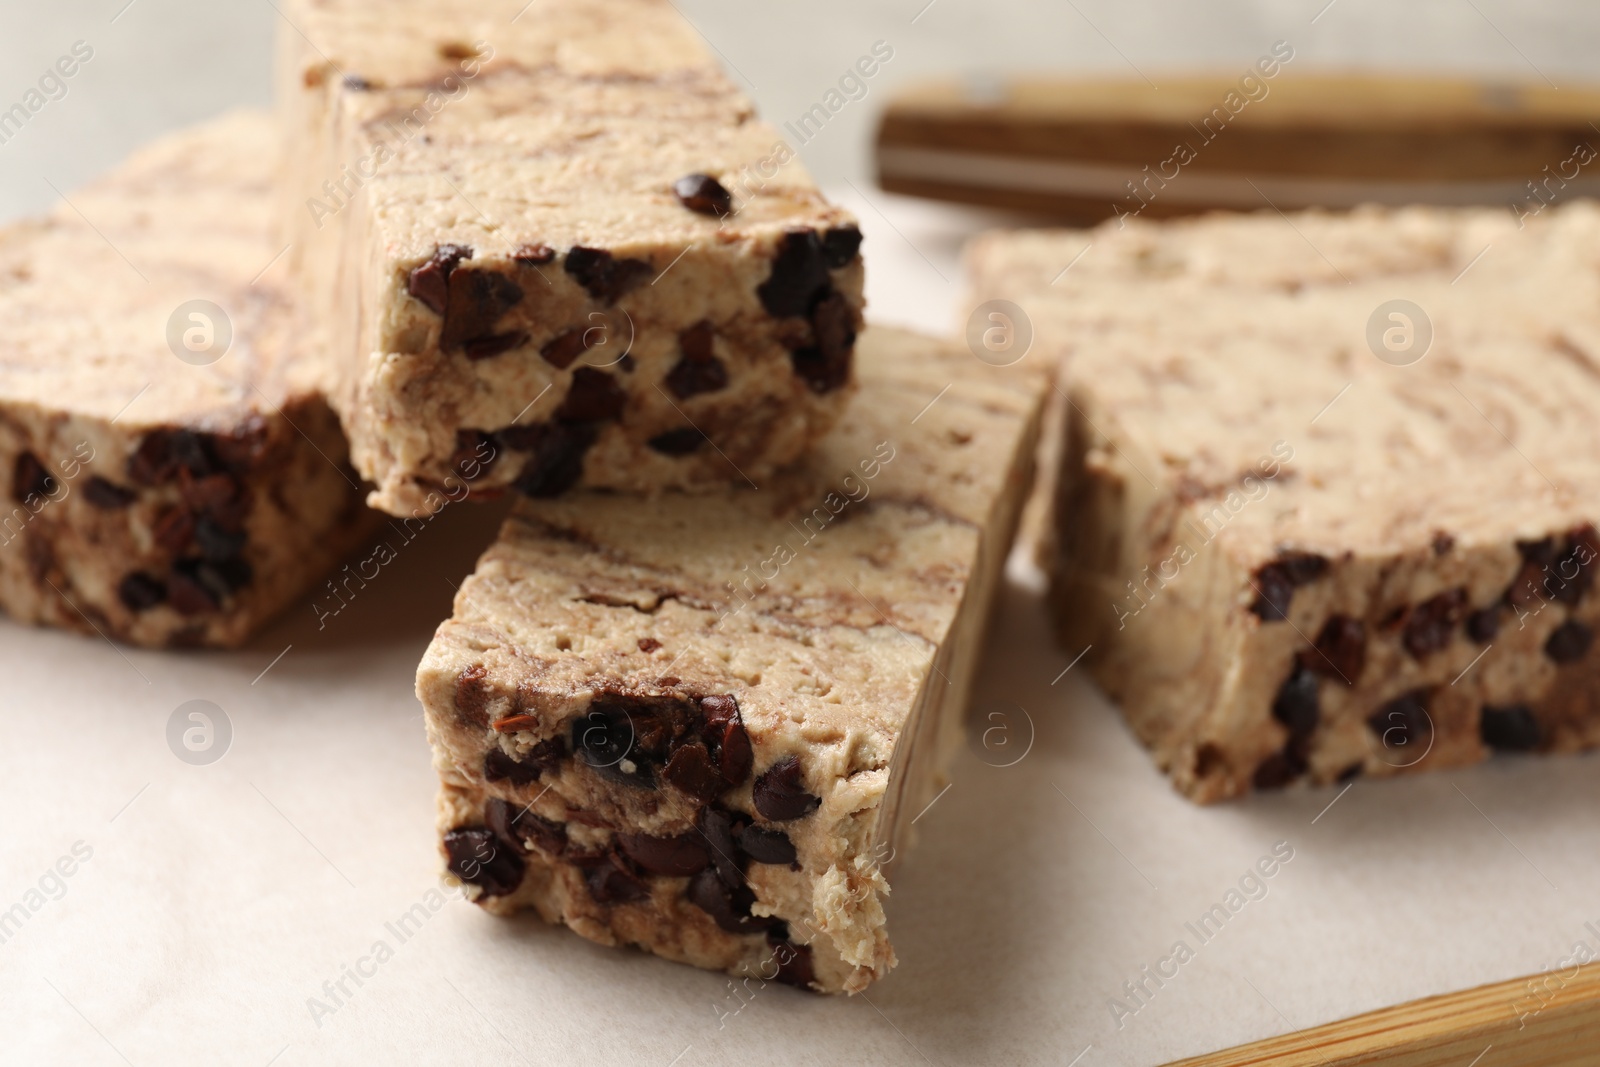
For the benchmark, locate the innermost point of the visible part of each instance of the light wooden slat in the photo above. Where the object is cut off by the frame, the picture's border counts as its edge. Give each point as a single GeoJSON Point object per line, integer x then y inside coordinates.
{"type": "Point", "coordinates": [1508, 1024]}
{"type": "Point", "coordinates": [1070, 146]}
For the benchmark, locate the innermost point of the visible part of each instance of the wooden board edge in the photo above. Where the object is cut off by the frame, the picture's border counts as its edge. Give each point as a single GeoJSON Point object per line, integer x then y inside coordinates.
{"type": "Point", "coordinates": [1547, 1020]}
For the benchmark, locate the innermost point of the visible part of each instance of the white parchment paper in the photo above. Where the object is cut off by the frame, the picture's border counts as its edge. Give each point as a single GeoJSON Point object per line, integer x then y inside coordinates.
{"type": "Point", "coordinates": [280, 904]}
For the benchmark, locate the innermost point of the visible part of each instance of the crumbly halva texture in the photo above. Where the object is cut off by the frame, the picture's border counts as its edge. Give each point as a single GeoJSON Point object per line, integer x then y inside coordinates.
{"type": "Point", "coordinates": [154, 500]}
{"type": "Point", "coordinates": [1291, 559]}
{"type": "Point", "coordinates": [556, 235]}
{"type": "Point", "coordinates": [701, 724]}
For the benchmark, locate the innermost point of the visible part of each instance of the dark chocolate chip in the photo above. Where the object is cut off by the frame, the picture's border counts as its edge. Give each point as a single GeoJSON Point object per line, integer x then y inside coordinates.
{"type": "Point", "coordinates": [1402, 721]}
{"type": "Point", "coordinates": [1209, 760]}
{"type": "Point", "coordinates": [163, 453]}
{"type": "Point", "coordinates": [499, 766]}
{"type": "Point", "coordinates": [195, 453]}
{"type": "Point", "coordinates": [241, 451]}
{"type": "Point", "coordinates": [675, 857]}
{"type": "Point", "coordinates": [1569, 642]}
{"type": "Point", "coordinates": [548, 754]}
{"type": "Point", "coordinates": [107, 496]}
{"type": "Point", "coordinates": [1541, 551]}
{"type": "Point", "coordinates": [834, 323]}
{"type": "Point", "coordinates": [430, 282]}
{"type": "Point", "coordinates": [1279, 769]}
{"type": "Point", "coordinates": [475, 454]}
{"type": "Point", "coordinates": [780, 792]}
{"type": "Point", "coordinates": [523, 437]}
{"type": "Point", "coordinates": [1525, 587]}
{"type": "Point", "coordinates": [727, 739]}
{"type": "Point", "coordinates": [1510, 729]}
{"type": "Point", "coordinates": [356, 83]}
{"type": "Point", "coordinates": [794, 963]}
{"type": "Point", "coordinates": [546, 836]}
{"type": "Point", "coordinates": [1561, 590]}
{"type": "Point", "coordinates": [479, 858]}
{"type": "Point", "coordinates": [189, 596]}
{"type": "Point", "coordinates": [603, 275]}
{"type": "Point", "coordinates": [648, 645]}
{"type": "Point", "coordinates": [1296, 703]}
{"type": "Point", "coordinates": [215, 543]}
{"type": "Point", "coordinates": [140, 591]}
{"type": "Point", "coordinates": [1482, 626]}
{"type": "Point", "coordinates": [1561, 580]}
{"type": "Point", "coordinates": [199, 585]}
{"type": "Point", "coordinates": [220, 497]}
{"type": "Point", "coordinates": [719, 829]}
{"type": "Point", "coordinates": [1351, 773]}
{"type": "Point", "coordinates": [604, 739]}
{"type": "Point", "coordinates": [1585, 540]}
{"type": "Point", "coordinates": [1274, 593]}
{"type": "Point", "coordinates": [30, 479]}
{"type": "Point", "coordinates": [594, 396]}
{"type": "Point", "coordinates": [1303, 567]}
{"type": "Point", "coordinates": [566, 347]}
{"type": "Point", "coordinates": [698, 342]}
{"type": "Point", "coordinates": [544, 758]}
{"type": "Point", "coordinates": [1340, 650]}
{"type": "Point", "coordinates": [472, 695]}
{"type": "Point", "coordinates": [151, 462]}
{"type": "Point", "coordinates": [699, 370]}
{"type": "Point", "coordinates": [1572, 574]}
{"type": "Point", "coordinates": [658, 724]}
{"type": "Point", "coordinates": [230, 575]}
{"type": "Point", "coordinates": [612, 880]}
{"type": "Point", "coordinates": [766, 846]}
{"type": "Point", "coordinates": [494, 344]}
{"type": "Point", "coordinates": [728, 907]}
{"type": "Point", "coordinates": [1277, 581]}
{"type": "Point", "coordinates": [1430, 624]}
{"type": "Point", "coordinates": [799, 276]}
{"type": "Point", "coordinates": [680, 442]}
{"type": "Point", "coordinates": [534, 255]}
{"type": "Point", "coordinates": [498, 814]}
{"type": "Point", "coordinates": [1442, 542]}
{"type": "Point", "coordinates": [173, 529]}
{"type": "Point", "coordinates": [690, 769]}
{"type": "Point", "coordinates": [840, 245]}
{"type": "Point", "coordinates": [689, 378]}
{"type": "Point", "coordinates": [557, 460]}
{"type": "Point", "coordinates": [516, 826]}
{"type": "Point", "coordinates": [477, 300]}
{"type": "Point", "coordinates": [703, 193]}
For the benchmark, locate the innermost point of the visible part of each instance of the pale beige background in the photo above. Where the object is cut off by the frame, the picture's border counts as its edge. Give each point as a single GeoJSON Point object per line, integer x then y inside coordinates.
{"type": "Point", "coordinates": [167, 62]}
{"type": "Point", "coordinates": [219, 899]}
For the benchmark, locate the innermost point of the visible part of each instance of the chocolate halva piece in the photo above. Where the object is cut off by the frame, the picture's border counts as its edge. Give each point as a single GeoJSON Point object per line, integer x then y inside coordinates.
{"type": "Point", "coordinates": [1327, 505]}
{"type": "Point", "coordinates": [702, 726]}
{"type": "Point", "coordinates": [475, 226]}
{"type": "Point", "coordinates": [174, 487]}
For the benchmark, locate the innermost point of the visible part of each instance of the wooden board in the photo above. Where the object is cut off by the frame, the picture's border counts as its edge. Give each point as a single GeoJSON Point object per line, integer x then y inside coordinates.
{"type": "Point", "coordinates": [1087, 150]}
{"type": "Point", "coordinates": [1550, 1020]}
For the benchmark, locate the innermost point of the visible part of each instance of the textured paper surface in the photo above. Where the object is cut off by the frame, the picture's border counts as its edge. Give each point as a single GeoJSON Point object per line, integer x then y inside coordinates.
{"type": "Point", "coordinates": [221, 904]}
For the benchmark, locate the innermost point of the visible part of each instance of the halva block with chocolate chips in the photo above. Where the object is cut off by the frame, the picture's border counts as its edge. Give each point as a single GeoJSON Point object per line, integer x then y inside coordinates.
{"type": "Point", "coordinates": [1328, 492]}
{"type": "Point", "coordinates": [558, 228]}
{"type": "Point", "coordinates": [170, 474]}
{"type": "Point", "coordinates": [702, 724]}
